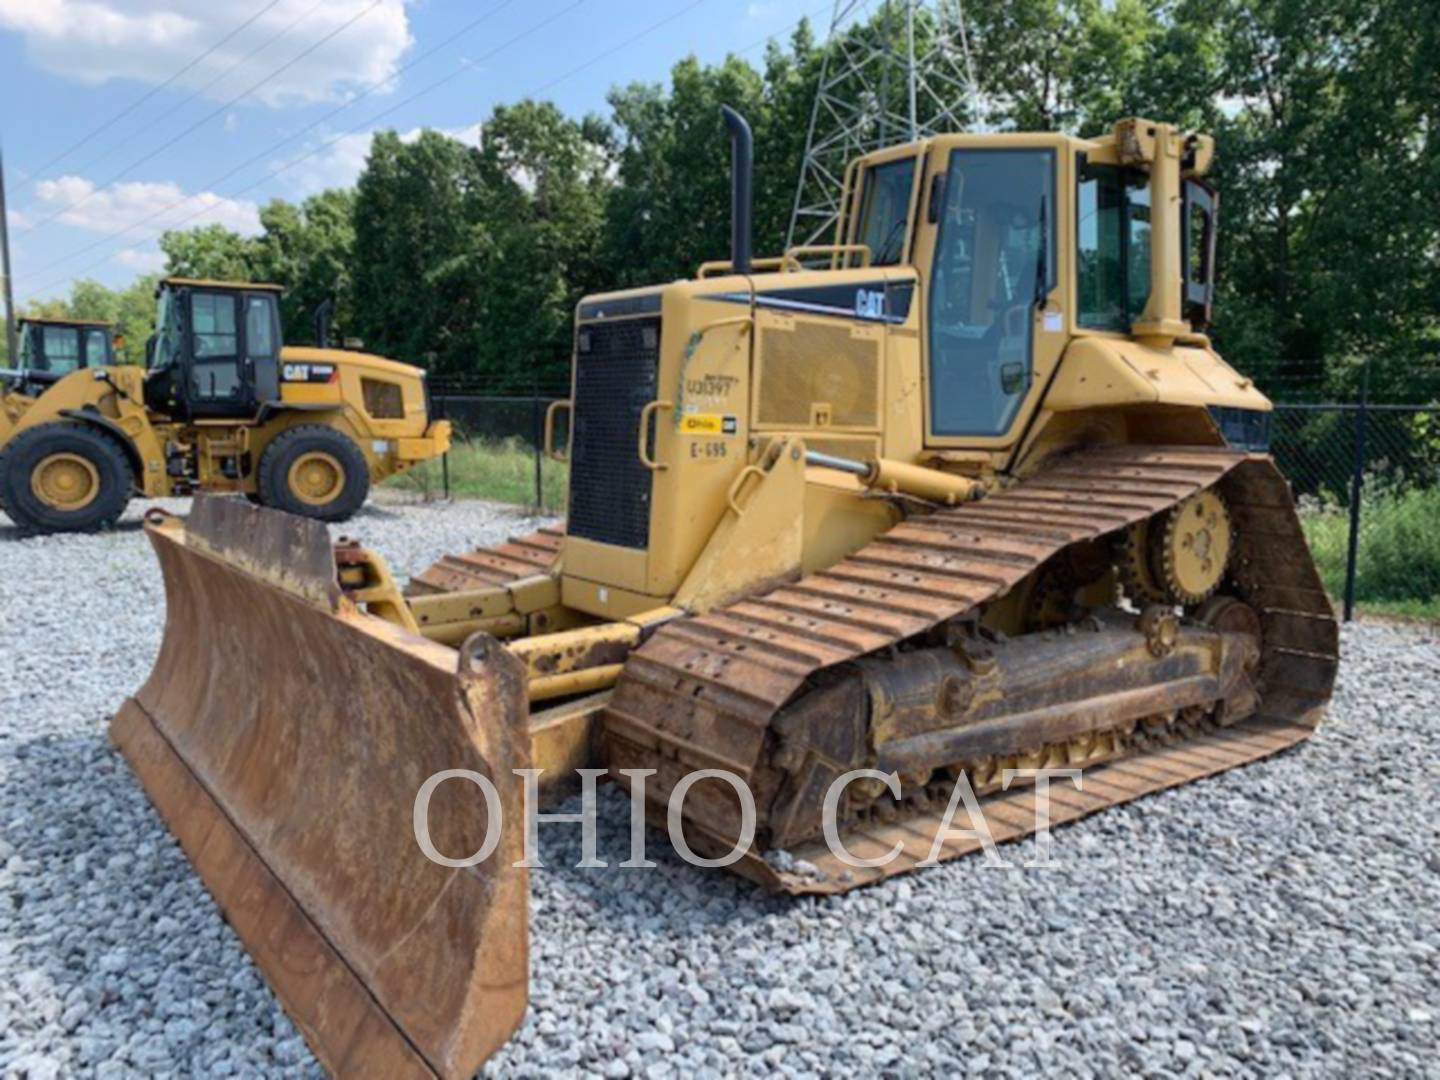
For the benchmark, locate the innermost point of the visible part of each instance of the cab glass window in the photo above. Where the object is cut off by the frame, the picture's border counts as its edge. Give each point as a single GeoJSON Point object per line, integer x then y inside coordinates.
{"type": "Point", "coordinates": [1113, 240]}
{"type": "Point", "coordinates": [994, 264]}
{"type": "Point", "coordinates": [27, 357]}
{"type": "Point", "coordinates": [259, 327]}
{"type": "Point", "coordinates": [167, 333]}
{"type": "Point", "coordinates": [885, 210]}
{"type": "Point", "coordinates": [215, 354]}
{"type": "Point", "coordinates": [97, 348]}
{"type": "Point", "coordinates": [62, 349]}
{"type": "Point", "coordinates": [212, 325]}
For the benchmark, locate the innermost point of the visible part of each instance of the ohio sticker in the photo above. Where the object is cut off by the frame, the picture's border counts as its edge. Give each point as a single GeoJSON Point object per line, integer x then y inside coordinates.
{"type": "Point", "coordinates": [708, 424]}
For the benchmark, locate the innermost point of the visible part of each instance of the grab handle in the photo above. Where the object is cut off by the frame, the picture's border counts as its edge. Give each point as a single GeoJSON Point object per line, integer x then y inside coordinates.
{"type": "Point", "coordinates": [733, 495]}
{"type": "Point", "coordinates": [549, 439]}
{"type": "Point", "coordinates": [644, 451]}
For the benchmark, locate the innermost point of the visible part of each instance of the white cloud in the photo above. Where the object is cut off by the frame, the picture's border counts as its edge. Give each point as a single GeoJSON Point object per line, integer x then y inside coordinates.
{"type": "Point", "coordinates": [143, 260]}
{"type": "Point", "coordinates": [93, 41]}
{"type": "Point", "coordinates": [151, 205]}
{"type": "Point", "coordinates": [18, 218]}
{"type": "Point", "coordinates": [339, 163]}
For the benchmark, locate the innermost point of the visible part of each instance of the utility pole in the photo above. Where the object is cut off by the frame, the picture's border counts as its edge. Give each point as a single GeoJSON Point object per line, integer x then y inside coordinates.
{"type": "Point", "coordinates": [12, 351]}
{"type": "Point", "coordinates": [880, 78]}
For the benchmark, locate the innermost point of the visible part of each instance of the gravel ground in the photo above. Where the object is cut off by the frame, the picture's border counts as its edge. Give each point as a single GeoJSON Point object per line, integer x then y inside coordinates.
{"type": "Point", "coordinates": [1282, 919]}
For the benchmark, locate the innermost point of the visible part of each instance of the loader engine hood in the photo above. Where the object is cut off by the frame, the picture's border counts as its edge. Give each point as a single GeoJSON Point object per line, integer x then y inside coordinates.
{"type": "Point", "coordinates": [307, 364]}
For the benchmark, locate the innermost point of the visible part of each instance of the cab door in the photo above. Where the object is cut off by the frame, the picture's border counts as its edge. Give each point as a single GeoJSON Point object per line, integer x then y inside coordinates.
{"type": "Point", "coordinates": [234, 346]}
{"type": "Point", "coordinates": [216, 380]}
{"type": "Point", "coordinates": [991, 255]}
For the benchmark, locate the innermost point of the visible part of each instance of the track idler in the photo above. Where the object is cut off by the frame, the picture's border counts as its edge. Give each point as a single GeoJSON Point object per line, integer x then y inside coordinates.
{"type": "Point", "coordinates": [283, 736]}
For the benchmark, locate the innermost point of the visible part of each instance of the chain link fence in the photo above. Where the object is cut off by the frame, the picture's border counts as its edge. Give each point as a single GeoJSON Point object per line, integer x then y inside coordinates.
{"type": "Point", "coordinates": [497, 452]}
{"type": "Point", "coordinates": [1366, 476]}
{"type": "Point", "coordinates": [1365, 469]}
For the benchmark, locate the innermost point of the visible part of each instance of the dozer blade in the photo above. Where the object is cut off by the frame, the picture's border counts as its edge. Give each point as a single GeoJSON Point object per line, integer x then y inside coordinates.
{"type": "Point", "coordinates": [283, 737]}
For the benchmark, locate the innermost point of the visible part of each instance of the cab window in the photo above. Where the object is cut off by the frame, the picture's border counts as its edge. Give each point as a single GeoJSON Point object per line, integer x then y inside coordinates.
{"type": "Point", "coordinates": [27, 358]}
{"type": "Point", "coordinates": [1113, 238]}
{"type": "Point", "coordinates": [97, 348]}
{"type": "Point", "coordinates": [61, 354]}
{"type": "Point", "coordinates": [260, 319]}
{"type": "Point", "coordinates": [994, 263]}
{"type": "Point", "coordinates": [167, 333]}
{"type": "Point", "coordinates": [885, 210]}
{"type": "Point", "coordinates": [214, 348]}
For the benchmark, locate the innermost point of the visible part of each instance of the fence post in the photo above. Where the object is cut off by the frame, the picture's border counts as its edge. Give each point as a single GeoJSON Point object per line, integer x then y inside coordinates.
{"type": "Point", "coordinates": [537, 436]}
{"type": "Point", "coordinates": [1357, 482]}
{"type": "Point", "coordinates": [444, 412]}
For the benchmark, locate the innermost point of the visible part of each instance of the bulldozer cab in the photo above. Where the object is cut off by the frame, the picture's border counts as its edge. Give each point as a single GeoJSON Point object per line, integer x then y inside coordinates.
{"type": "Point", "coordinates": [216, 349]}
{"type": "Point", "coordinates": [50, 349]}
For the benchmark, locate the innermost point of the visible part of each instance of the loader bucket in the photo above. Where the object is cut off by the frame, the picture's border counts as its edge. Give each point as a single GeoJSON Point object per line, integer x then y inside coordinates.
{"type": "Point", "coordinates": [283, 736]}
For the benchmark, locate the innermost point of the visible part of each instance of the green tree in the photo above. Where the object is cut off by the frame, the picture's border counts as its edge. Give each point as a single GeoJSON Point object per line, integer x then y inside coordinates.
{"type": "Point", "coordinates": [309, 249]}
{"type": "Point", "coordinates": [545, 181]}
{"type": "Point", "coordinates": [421, 249]}
{"type": "Point", "coordinates": [210, 251]}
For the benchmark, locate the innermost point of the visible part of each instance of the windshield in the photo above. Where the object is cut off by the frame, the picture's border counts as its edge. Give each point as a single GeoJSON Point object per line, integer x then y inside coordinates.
{"type": "Point", "coordinates": [167, 332]}
{"type": "Point", "coordinates": [886, 210]}
{"type": "Point", "coordinates": [27, 349]}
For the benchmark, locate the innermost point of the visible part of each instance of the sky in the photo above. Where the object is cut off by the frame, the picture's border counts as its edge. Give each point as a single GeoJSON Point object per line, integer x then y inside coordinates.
{"type": "Point", "coordinates": [123, 118]}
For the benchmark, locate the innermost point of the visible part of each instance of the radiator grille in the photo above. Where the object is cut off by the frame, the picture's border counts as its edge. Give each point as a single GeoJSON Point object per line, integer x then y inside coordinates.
{"type": "Point", "coordinates": [818, 363]}
{"type": "Point", "coordinates": [616, 367]}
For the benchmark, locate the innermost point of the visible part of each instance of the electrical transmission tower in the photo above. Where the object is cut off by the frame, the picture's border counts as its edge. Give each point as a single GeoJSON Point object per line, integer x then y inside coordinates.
{"type": "Point", "coordinates": [893, 74]}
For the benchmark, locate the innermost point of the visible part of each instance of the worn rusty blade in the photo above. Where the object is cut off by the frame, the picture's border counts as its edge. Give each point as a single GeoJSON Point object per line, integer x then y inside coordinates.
{"type": "Point", "coordinates": [283, 736]}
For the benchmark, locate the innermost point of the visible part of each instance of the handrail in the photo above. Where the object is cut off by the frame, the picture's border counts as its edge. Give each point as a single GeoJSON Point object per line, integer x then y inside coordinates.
{"type": "Point", "coordinates": [808, 251]}
{"type": "Point", "coordinates": [719, 267]}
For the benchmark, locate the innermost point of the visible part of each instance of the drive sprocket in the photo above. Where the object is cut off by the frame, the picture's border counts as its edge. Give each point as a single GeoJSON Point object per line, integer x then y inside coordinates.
{"type": "Point", "coordinates": [1194, 547]}
{"type": "Point", "coordinates": [1179, 556]}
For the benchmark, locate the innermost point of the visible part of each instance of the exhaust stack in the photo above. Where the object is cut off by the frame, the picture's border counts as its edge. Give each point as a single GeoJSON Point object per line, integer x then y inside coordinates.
{"type": "Point", "coordinates": [742, 170]}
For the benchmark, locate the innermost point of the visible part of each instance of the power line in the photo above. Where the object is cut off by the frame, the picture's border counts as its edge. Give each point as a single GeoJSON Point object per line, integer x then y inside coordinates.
{"type": "Point", "coordinates": [272, 148]}
{"type": "Point", "coordinates": [155, 122]}
{"type": "Point", "coordinates": [150, 93]}
{"type": "Point", "coordinates": [367, 124]}
{"type": "Point", "coordinates": [211, 115]}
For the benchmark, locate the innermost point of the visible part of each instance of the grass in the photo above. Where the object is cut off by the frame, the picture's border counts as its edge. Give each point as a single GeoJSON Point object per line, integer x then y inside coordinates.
{"type": "Point", "coordinates": [1397, 572]}
{"type": "Point", "coordinates": [499, 471]}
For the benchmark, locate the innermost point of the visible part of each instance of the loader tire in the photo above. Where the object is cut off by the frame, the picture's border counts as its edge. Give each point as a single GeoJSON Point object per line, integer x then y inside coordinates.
{"type": "Point", "coordinates": [64, 477]}
{"type": "Point", "coordinates": [314, 471]}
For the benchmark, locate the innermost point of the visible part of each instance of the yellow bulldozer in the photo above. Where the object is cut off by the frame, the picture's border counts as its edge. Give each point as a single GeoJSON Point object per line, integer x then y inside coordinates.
{"type": "Point", "coordinates": [963, 495]}
{"type": "Point", "coordinates": [222, 406]}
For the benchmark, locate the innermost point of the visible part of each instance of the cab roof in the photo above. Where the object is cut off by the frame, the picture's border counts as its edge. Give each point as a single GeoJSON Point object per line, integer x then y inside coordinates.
{"type": "Point", "coordinates": [207, 283]}
{"type": "Point", "coordinates": [45, 320]}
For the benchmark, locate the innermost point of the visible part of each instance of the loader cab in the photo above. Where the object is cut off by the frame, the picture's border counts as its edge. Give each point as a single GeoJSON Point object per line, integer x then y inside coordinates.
{"type": "Point", "coordinates": [216, 350]}
{"type": "Point", "coordinates": [50, 349]}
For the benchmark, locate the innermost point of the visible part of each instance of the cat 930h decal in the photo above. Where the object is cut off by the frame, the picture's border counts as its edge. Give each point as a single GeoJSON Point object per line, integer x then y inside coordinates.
{"type": "Point", "coordinates": [308, 373]}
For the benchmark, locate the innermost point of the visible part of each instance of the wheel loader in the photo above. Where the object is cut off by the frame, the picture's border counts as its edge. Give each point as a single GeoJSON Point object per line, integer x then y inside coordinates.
{"type": "Point", "coordinates": [221, 406]}
{"type": "Point", "coordinates": [51, 348]}
{"type": "Point", "coordinates": [963, 495]}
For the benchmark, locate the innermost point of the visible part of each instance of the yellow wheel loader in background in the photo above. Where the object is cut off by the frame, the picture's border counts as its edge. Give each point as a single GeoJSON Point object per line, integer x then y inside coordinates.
{"type": "Point", "coordinates": [975, 495]}
{"type": "Point", "coordinates": [221, 407]}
